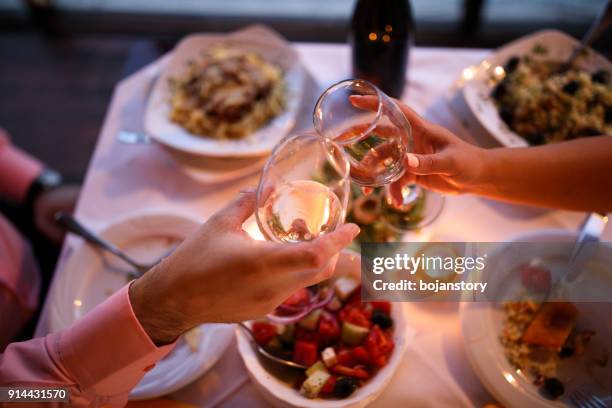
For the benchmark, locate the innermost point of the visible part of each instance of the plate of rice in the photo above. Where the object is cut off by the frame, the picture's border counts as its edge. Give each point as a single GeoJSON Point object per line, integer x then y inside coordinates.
{"type": "Point", "coordinates": [230, 95]}
{"type": "Point", "coordinates": [522, 98]}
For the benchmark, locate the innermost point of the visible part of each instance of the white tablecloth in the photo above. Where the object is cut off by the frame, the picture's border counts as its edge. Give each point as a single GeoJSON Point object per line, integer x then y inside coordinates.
{"type": "Point", "coordinates": [123, 179]}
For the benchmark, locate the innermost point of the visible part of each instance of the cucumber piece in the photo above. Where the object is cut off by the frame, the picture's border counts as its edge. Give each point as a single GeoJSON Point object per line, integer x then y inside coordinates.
{"type": "Point", "coordinates": [352, 334]}
{"type": "Point", "coordinates": [288, 333]}
{"type": "Point", "coordinates": [318, 366]}
{"type": "Point", "coordinates": [310, 321]}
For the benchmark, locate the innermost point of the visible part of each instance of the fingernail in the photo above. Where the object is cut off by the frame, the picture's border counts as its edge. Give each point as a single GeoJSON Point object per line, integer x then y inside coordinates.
{"type": "Point", "coordinates": [413, 161]}
{"type": "Point", "coordinates": [353, 229]}
{"type": "Point", "coordinates": [248, 190]}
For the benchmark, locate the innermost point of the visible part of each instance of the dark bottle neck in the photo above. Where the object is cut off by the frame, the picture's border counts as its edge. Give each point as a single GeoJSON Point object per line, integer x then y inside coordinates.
{"type": "Point", "coordinates": [381, 14]}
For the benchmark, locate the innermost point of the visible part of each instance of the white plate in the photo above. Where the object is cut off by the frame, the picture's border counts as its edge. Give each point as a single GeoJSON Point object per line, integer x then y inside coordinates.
{"type": "Point", "coordinates": [259, 39]}
{"type": "Point", "coordinates": [279, 394]}
{"type": "Point", "coordinates": [477, 85]}
{"type": "Point", "coordinates": [90, 277]}
{"type": "Point", "coordinates": [482, 322]}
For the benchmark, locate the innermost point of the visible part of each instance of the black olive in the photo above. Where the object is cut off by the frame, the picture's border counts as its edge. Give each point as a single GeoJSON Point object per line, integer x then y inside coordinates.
{"type": "Point", "coordinates": [566, 351]}
{"type": "Point", "coordinates": [552, 388]}
{"type": "Point", "coordinates": [608, 115]}
{"type": "Point", "coordinates": [382, 319]}
{"type": "Point", "coordinates": [571, 87]}
{"type": "Point", "coordinates": [500, 90]}
{"type": "Point", "coordinates": [511, 65]}
{"type": "Point", "coordinates": [602, 76]}
{"type": "Point", "coordinates": [344, 387]}
{"type": "Point", "coordinates": [507, 115]}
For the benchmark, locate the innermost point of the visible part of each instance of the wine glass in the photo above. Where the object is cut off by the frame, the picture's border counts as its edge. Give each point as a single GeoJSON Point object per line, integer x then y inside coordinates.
{"type": "Point", "coordinates": [375, 143]}
{"type": "Point", "coordinates": [302, 194]}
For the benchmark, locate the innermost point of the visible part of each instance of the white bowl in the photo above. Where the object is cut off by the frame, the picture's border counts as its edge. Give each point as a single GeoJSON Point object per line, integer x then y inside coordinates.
{"type": "Point", "coordinates": [477, 85]}
{"type": "Point", "coordinates": [280, 394]}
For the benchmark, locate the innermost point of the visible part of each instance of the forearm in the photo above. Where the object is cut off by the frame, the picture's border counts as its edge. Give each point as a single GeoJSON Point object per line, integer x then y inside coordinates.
{"type": "Point", "coordinates": [575, 175]}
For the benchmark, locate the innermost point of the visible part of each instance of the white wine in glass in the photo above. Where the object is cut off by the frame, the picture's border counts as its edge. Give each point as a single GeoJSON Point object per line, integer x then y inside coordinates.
{"type": "Point", "coordinates": [301, 210]}
{"type": "Point", "coordinates": [302, 194]}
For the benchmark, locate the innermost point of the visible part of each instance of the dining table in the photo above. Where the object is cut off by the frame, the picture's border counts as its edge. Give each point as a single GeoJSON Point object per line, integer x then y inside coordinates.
{"type": "Point", "coordinates": [125, 179]}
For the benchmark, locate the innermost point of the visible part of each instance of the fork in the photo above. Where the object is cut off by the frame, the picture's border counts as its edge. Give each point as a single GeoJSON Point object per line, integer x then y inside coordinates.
{"type": "Point", "coordinates": [584, 399]}
{"type": "Point", "coordinates": [71, 224]}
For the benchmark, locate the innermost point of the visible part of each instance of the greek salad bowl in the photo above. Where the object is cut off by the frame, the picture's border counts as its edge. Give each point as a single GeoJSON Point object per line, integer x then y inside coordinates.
{"type": "Point", "coordinates": [355, 348]}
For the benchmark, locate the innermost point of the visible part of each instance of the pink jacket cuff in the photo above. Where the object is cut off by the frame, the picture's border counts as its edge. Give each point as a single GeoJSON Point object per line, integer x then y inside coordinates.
{"type": "Point", "coordinates": [17, 170]}
{"type": "Point", "coordinates": [108, 350]}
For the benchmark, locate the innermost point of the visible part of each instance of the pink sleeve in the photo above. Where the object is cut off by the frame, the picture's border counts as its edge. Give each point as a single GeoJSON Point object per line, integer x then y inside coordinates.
{"type": "Point", "coordinates": [100, 358]}
{"type": "Point", "coordinates": [17, 170]}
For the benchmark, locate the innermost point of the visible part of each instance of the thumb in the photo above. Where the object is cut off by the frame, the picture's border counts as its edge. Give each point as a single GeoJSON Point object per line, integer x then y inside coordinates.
{"type": "Point", "coordinates": [424, 164]}
{"type": "Point", "coordinates": [237, 211]}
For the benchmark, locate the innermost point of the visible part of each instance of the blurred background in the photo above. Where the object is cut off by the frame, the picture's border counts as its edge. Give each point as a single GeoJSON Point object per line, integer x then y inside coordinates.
{"type": "Point", "coordinates": [60, 59]}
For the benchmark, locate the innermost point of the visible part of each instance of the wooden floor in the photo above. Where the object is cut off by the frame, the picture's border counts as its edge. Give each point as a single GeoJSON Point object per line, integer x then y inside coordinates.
{"type": "Point", "coordinates": [55, 94]}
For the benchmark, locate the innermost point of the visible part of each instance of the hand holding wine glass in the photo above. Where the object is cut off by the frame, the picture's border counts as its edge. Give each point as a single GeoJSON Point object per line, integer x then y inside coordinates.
{"type": "Point", "coordinates": [303, 194]}
{"type": "Point", "coordinates": [376, 139]}
{"type": "Point", "coordinates": [441, 161]}
{"type": "Point", "coordinates": [221, 274]}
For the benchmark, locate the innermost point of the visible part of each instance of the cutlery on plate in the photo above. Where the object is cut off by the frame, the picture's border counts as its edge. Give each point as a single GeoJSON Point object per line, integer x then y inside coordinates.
{"type": "Point", "coordinates": [601, 23]}
{"type": "Point", "coordinates": [263, 352]}
{"type": "Point", "coordinates": [130, 137]}
{"type": "Point", "coordinates": [133, 121]}
{"type": "Point", "coordinates": [582, 251]}
{"type": "Point", "coordinates": [71, 224]}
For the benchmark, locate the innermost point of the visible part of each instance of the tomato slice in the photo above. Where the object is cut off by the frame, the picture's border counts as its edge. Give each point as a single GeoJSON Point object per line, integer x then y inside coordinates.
{"type": "Point", "coordinates": [329, 386]}
{"type": "Point", "coordinates": [355, 315]}
{"type": "Point", "coordinates": [355, 372]}
{"type": "Point", "coordinates": [345, 358]}
{"type": "Point", "coordinates": [361, 355]}
{"type": "Point", "coordinates": [306, 335]}
{"type": "Point", "coordinates": [329, 329]}
{"type": "Point", "coordinates": [355, 298]}
{"type": "Point", "coordinates": [263, 332]}
{"type": "Point", "coordinates": [298, 299]}
{"type": "Point", "coordinates": [378, 343]}
{"type": "Point", "coordinates": [305, 353]}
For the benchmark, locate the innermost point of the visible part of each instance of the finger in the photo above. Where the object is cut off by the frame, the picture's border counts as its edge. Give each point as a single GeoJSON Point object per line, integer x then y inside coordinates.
{"type": "Point", "coordinates": [365, 102]}
{"type": "Point", "coordinates": [424, 164]}
{"type": "Point", "coordinates": [237, 211]}
{"type": "Point", "coordinates": [395, 189]}
{"type": "Point", "coordinates": [315, 254]}
{"type": "Point", "coordinates": [323, 274]}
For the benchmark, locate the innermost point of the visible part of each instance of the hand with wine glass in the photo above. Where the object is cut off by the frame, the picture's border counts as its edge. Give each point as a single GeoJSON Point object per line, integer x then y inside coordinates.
{"type": "Point", "coordinates": [571, 175]}
{"type": "Point", "coordinates": [440, 161]}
